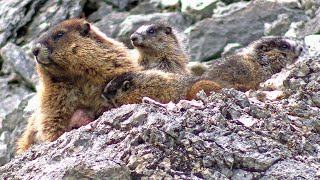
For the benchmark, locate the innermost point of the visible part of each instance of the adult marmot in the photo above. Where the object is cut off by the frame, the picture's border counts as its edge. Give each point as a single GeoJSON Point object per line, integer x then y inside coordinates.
{"type": "Point", "coordinates": [74, 62]}
{"type": "Point", "coordinates": [159, 47]}
{"type": "Point", "coordinates": [257, 63]}
{"type": "Point", "coordinates": [131, 87]}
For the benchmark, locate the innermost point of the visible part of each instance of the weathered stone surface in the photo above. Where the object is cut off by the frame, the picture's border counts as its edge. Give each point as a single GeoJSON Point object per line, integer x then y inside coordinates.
{"type": "Point", "coordinates": [13, 125]}
{"type": "Point", "coordinates": [21, 62]}
{"type": "Point", "coordinates": [198, 9]}
{"type": "Point", "coordinates": [208, 37]}
{"type": "Point", "coordinates": [290, 169]}
{"type": "Point", "coordinates": [310, 27]}
{"type": "Point", "coordinates": [103, 10]}
{"type": "Point", "coordinates": [110, 24]}
{"type": "Point", "coordinates": [14, 15]}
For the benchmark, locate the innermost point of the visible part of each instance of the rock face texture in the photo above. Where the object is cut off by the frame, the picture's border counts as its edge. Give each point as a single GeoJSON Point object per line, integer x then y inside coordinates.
{"type": "Point", "coordinates": [271, 133]}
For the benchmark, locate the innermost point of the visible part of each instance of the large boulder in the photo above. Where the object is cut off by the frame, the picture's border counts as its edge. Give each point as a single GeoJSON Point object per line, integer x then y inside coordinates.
{"type": "Point", "coordinates": [208, 37]}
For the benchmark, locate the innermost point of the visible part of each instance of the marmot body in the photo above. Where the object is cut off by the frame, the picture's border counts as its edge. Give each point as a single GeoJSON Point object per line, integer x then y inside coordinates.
{"type": "Point", "coordinates": [74, 62]}
{"type": "Point", "coordinates": [257, 63]}
{"type": "Point", "coordinates": [159, 47]}
{"type": "Point", "coordinates": [163, 87]}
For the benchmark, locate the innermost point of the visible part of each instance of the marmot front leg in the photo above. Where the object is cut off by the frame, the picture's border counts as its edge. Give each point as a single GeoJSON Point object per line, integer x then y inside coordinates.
{"type": "Point", "coordinates": [56, 109]}
{"type": "Point", "coordinates": [28, 137]}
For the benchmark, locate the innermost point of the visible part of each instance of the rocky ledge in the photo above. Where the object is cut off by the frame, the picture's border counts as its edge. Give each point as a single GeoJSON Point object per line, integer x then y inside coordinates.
{"type": "Point", "coordinates": [271, 134]}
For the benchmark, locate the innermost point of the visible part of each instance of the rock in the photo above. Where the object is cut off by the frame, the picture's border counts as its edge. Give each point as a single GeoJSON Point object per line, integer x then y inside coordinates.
{"type": "Point", "coordinates": [121, 5]}
{"type": "Point", "coordinates": [279, 26]}
{"type": "Point", "coordinates": [133, 22]}
{"type": "Point", "coordinates": [12, 127]}
{"type": "Point", "coordinates": [198, 9]}
{"type": "Point", "coordinates": [312, 26]}
{"type": "Point", "coordinates": [223, 10]}
{"type": "Point", "coordinates": [14, 15]}
{"type": "Point", "coordinates": [230, 49]}
{"type": "Point", "coordinates": [11, 93]}
{"type": "Point", "coordinates": [169, 4]}
{"type": "Point", "coordinates": [110, 24]}
{"type": "Point", "coordinates": [148, 8]}
{"type": "Point", "coordinates": [290, 169]}
{"type": "Point", "coordinates": [207, 38]}
{"type": "Point", "coordinates": [103, 10]}
{"type": "Point", "coordinates": [21, 63]}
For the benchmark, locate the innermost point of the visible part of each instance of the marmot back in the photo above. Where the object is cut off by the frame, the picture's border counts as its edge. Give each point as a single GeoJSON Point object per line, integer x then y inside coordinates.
{"type": "Point", "coordinates": [159, 47]}
{"type": "Point", "coordinates": [131, 87]}
{"type": "Point", "coordinates": [255, 64]}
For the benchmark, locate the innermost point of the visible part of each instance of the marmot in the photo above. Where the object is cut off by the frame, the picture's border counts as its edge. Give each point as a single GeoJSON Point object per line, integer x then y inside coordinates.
{"type": "Point", "coordinates": [255, 64]}
{"type": "Point", "coordinates": [75, 61]}
{"type": "Point", "coordinates": [131, 87]}
{"type": "Point", "coordinates": [159, 47]}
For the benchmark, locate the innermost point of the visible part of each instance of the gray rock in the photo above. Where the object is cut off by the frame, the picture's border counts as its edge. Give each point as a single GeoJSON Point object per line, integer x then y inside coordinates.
{"type": "Point", "coordinates": [12, 127]}
{"type": "Point", "coordinates": [198, 9]}
{"type": "Point", "coordinates": [290, 169]}
{"type": "Point", "coordinates": [147, 8]}
{"type": "Point", "coordinates": [22, 64]}
{"type": "Point", "coordinates": [279, 26]}
{"type": "Point", "coordinates": [12, 91]}
{"type": "Point", "coordinates": [14, 15]}
{"type": "Point", "coordinates": [310, 27]}
{"type": "Point", "coordinates": [103, 10]}
{"type": "Point", "coordinates": [208, 37]}
{"type": "Point", "coordinates": [110, 23]}
{"type": "Point", "coordinates": [133, 22]}
{"type": "Point", "coordinates": [121, 5]}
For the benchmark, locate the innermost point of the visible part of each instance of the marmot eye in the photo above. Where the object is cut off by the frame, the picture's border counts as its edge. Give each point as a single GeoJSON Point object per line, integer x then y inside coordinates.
{"type": "Point", "coordinates": [285, 46]}
{"type": "Point", "coordinates": [150, 31]}
{"type": "Point", "coordinates": [58, 35]}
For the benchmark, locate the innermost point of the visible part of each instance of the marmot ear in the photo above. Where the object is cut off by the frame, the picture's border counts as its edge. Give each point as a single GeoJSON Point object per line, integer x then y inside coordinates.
{"type": "Point", "coordinates": [85, 28]}
{"type": "Point", "coordinates": [126, 85]}
{"type": "Point", "coordinates": [168, 30]}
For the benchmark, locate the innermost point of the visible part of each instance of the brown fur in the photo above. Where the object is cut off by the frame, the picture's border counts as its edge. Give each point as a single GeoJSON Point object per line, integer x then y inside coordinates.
{"type": "Point", "coordinates": [257, 63]}
{"type": "Point", "coordinates": [159, 47]}
{"type": "Point", "coordinates": [163, 87]}
{"type": "Point", "coordinates": [74, 62]}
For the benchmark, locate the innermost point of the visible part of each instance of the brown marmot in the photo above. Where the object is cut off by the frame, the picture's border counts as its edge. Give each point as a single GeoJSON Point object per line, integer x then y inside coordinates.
{"type": "Point", "coordinates": [159, 47]}
{"type": "Point", "coordinates": [75, 61]}
{"type": "Point", "coordinates": [255, 64]}
{"type": "Point", "coordinates": [131, 87]}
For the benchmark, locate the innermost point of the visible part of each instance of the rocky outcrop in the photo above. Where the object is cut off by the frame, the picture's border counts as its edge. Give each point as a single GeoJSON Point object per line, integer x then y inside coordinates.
{"type": "Point", "coordinates": [226, 135]}
{"type": "Point", "coordinates": [269, 133]}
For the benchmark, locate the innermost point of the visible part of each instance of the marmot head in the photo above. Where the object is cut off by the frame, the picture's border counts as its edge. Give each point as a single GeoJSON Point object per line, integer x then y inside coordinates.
{"type": "Point", "coordinates": [73, 46]}
{"type": "Point", "coordinates": [118, 87]}
{"type": "Point", "coordinates": [271, 48]}
{"type": "Point", "coordinates": [154, 38]}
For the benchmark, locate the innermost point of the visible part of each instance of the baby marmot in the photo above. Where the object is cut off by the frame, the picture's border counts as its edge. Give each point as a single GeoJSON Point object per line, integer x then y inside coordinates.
{"type": "Point", "coordinates": [159, 47]}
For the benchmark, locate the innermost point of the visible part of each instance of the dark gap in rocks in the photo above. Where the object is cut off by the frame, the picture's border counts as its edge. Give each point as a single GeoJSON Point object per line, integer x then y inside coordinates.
{"type": "Point", "coordinates": [215, 56]}
{"type": "Point", "coordinates": [28, 7]}
{"type": "Point", "coordinates": [135, 176]}
{"type": "Point", "coordinates": [89, 8]}
{"type": "Point", "coordinates": [22, 31]}
{"type": "Point", "coordinates": [1, 62]}
{"type": "Point", "coordinates": [132, 5]}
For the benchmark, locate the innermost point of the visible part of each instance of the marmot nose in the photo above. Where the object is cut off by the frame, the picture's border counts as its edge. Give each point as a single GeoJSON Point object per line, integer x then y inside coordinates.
{"type": "Point", "coordinates": [133, 37]}
{"type": "Point", "coordinates": [36, 50]}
